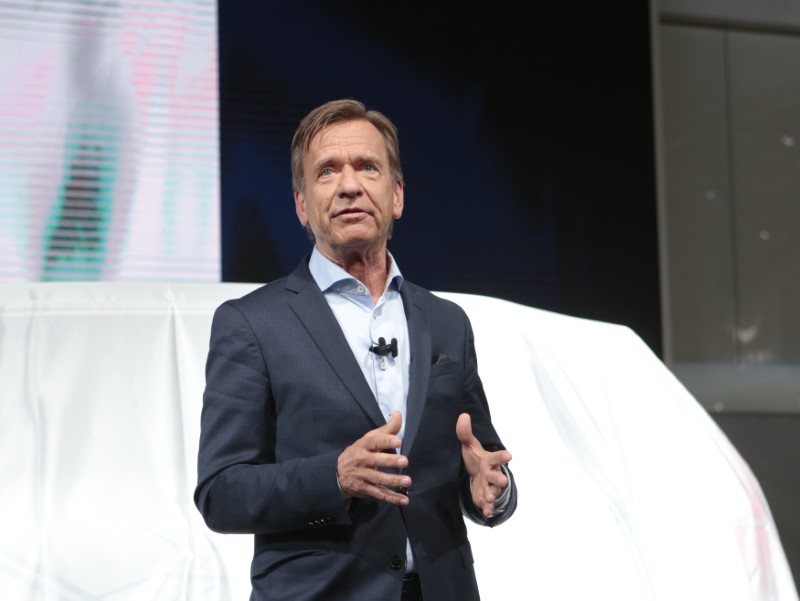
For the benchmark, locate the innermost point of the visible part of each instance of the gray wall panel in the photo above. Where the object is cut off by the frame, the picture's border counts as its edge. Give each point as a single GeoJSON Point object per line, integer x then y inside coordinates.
{"type": "Point", "coordinates": [698, 209]}
{"type": "Point", "coordinates": [765, 136]}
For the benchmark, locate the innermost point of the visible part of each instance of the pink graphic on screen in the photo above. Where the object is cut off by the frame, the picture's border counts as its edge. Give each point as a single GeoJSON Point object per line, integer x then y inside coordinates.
{"type": "Point", "coordinates": [109, 142]}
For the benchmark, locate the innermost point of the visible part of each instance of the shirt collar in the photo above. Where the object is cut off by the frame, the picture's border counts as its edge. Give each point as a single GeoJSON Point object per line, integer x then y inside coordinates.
{"type": "Point", "coordinates": [328, 274]}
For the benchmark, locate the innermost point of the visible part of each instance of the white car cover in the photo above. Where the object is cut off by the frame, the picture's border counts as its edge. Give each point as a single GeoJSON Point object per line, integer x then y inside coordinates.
{"type": "Point", "coordinates": [627, 488]}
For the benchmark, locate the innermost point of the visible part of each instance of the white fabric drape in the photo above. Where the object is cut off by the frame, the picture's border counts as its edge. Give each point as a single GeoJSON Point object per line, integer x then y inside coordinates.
{"type": "Point", "coordinates": [628, 489]}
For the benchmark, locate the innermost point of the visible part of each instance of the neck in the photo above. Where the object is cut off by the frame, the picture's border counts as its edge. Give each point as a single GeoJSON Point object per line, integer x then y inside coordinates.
{"type": "Point", "coordinates": [371, 269]}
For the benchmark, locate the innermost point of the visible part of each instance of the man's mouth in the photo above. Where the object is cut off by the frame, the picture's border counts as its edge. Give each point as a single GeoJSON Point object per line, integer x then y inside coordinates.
{"type": "Point", "coordinates": [350, 211]}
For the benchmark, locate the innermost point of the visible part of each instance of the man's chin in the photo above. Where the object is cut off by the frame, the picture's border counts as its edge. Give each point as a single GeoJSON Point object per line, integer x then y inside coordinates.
{"type": "Point", "coordinates": [354, 243]}
{"type": "Point", "coordinates": [359, 234]}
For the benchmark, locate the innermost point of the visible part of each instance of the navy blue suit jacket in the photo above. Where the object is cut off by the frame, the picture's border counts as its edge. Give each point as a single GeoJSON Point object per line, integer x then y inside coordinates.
{"type": "Point", "coordinates": [284, 396]}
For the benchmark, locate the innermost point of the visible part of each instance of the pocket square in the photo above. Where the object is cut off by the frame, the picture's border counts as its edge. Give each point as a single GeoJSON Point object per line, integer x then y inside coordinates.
{"type": "Point", "coordinates": [440, 358]}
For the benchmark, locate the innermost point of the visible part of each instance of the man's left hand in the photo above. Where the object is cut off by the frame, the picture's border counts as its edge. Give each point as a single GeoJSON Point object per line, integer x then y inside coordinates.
{"type": "Point", "coordinates": [488, 480]}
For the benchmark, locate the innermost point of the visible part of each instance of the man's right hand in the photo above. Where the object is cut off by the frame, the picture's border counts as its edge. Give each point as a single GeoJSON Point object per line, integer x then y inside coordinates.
{"type": "Point", "coordinates": [358, 465]}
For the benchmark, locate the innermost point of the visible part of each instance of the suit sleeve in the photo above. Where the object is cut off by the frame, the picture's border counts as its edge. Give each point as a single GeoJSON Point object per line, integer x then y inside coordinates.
{"type": "Point", "coordinates": [240, 486]}
{"type": "Point", "coordinates": [476, 404]}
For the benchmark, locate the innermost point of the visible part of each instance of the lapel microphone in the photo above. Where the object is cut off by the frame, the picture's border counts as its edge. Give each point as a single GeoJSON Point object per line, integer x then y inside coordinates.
{"type": "Point", "coordinates": [384, 349]}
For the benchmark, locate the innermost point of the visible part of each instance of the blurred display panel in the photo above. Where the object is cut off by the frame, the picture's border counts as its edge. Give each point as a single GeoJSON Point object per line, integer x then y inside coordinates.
{"type": "Point", "coordinates": [109, 141]}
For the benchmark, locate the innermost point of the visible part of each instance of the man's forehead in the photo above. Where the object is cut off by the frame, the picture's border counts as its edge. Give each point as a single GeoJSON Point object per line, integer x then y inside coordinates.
{"type": "Point", "coordinates": [350, 134]}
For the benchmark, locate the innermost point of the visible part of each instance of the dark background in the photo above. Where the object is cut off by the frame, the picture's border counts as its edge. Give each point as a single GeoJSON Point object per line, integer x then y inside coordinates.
{"type": "Point", "coordinates": [526, 138]}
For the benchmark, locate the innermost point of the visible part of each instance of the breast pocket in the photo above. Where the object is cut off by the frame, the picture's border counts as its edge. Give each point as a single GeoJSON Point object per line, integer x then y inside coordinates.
{"type": "Point", "coordinates": [446, 367]}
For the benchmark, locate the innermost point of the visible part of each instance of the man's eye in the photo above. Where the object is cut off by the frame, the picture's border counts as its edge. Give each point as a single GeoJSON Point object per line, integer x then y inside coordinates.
{"type": "Point", "coordinates": [326, 171]}
{"type": "Point", "coordinates": [369, 167]}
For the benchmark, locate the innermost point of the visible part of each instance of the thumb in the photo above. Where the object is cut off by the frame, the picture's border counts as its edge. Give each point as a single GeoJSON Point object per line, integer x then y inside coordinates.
{"type": "Point", "coordinates": [464, 429]}
{"type": "Point", "coordinates": [394, 423]}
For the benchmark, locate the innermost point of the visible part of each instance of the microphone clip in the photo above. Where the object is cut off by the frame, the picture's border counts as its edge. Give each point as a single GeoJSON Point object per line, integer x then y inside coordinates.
{"type": "Point", "coordinates": [382, 349]}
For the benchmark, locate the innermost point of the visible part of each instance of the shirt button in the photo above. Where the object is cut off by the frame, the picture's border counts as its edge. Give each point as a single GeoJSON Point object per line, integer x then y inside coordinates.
{"type": "Point", "coordinates": [360, 289]}
{"type": "Point", "coordinates": [396, 563]}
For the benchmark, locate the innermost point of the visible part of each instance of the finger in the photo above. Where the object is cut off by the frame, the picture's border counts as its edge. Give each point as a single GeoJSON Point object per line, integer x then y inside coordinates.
{"type": "Point", "coordinates": [378, 442]}
{"type": "Point", "coordinates": [381, 485]}
{"type": "Point", "coordinates": [486, 507]}
{"type": "Point", "coordinates": [386, 480]}
{"type": "Point", "coordinates": [497, 480]}
{"type": "Point", "coordinates": [355, 459]}
{"type": "Point", "coordinates": [498, 458]}
{"type": "Point", "coordinates": [495, 475]}
{"type": "Point", "coordinates": [390, 460]}
{"type": "Point", "coordinates": [388, 496]}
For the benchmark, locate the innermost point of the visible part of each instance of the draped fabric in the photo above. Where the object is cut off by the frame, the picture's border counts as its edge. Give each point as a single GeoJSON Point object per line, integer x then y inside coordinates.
{"type": "Point", "coordinates": [627, 488]}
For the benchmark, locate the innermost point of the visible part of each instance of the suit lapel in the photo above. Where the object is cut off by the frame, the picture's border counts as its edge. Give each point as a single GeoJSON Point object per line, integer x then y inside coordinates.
{"type": "Point", "coordinates": [319, 321]}
{"type": "Point", "coordinates": [420, 367]}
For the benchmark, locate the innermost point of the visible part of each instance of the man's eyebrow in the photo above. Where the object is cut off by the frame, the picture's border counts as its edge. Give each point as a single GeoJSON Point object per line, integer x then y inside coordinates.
{"type": "Point", "coordinates": [373, 159]}
{"type": "Point", "coordinates": [323, 161]}
{"type": "Point", "coordinates": [335, 160]}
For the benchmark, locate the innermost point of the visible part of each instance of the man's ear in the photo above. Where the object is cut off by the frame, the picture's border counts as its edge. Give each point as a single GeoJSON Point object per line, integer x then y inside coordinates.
{"type": "Point", "coordinates": [300, 208]}
{"type": "Point", "coordinates": [397, 207]}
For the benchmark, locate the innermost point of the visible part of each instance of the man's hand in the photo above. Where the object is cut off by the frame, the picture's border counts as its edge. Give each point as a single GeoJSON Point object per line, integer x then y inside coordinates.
{"type": "Point", "coordinates": [488, 480]}
{"type": "Point", "coordinates": [358, 465]}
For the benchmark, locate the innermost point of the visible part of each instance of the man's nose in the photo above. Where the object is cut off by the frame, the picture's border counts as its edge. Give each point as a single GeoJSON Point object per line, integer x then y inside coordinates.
{"type": "Point", "coordinates": [349, 184]}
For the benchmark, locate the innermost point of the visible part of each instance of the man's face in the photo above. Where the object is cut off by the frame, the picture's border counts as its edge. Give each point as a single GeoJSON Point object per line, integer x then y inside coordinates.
{"type": "Point", "coordinates": [349, 199]}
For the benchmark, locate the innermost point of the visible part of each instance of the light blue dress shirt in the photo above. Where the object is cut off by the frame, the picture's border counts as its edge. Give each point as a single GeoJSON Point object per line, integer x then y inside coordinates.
{"type": "Point", "coordinates": [364, 323]}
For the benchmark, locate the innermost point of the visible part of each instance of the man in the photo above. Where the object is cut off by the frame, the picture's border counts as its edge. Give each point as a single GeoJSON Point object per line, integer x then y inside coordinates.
{"type": "Point", "coordinates": [344, 422]}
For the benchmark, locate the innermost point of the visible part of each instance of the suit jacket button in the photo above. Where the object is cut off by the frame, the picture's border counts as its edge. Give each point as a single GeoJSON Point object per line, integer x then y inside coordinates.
{"type": "Point", "coordinates": [396, 563]}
